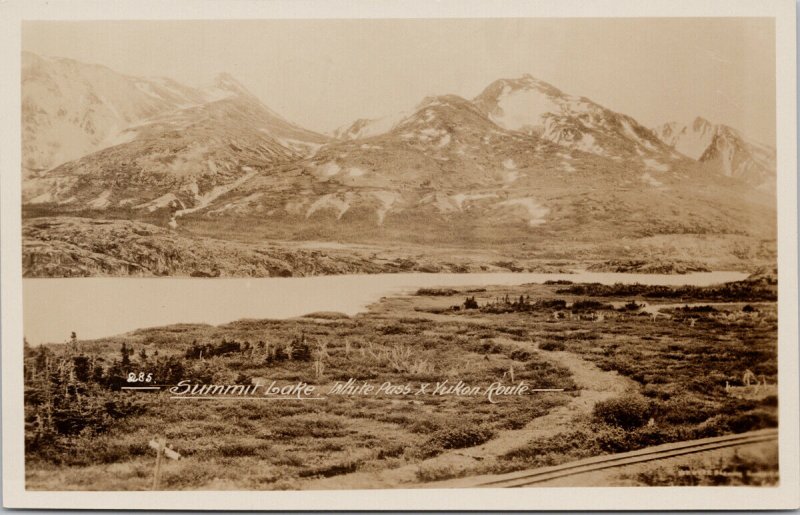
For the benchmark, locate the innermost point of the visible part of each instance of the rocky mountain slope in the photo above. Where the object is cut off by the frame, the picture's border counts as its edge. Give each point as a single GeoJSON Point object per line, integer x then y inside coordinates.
{"type": "Point", "coordinates": [723, 150]}
{"type": "Point", "coordinates": [70, 109]}
{"type": "Point", "coordinates": [449, 172]}
{"type": "Point", "coordinates": [536, 107]}
{"type": "Point", "coordinates": [521, 165]}
{"type": "Point", "coordinates": [179, 159]}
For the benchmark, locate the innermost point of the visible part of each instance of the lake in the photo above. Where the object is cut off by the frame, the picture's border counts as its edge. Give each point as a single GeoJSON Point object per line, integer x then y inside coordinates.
{"type": "Point", "coordinates": [106, 306]}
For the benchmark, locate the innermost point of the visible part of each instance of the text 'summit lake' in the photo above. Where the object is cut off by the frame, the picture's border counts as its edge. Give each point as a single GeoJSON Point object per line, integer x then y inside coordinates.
{"type": "Point", "coordinates": [98, 307]}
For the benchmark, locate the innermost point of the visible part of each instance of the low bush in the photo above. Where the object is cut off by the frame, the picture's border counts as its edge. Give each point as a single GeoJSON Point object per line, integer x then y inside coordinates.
{"type": "Point", "coordinates": [590, 305]}
{"type": "Point", "coordinates": [683, 409]}
{"type": "Point", "coordinates": [552, 346]}
{"type": "Point", "coordinates": [437, 292]}
{"type": "Point", "coordinates": [628, 411]}
{"type": "Point", "coordinates": [456, 438]}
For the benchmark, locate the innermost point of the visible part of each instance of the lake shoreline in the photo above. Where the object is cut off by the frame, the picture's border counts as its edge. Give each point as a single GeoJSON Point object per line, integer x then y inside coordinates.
{"type": "Point", "coordinates": [117, 305]}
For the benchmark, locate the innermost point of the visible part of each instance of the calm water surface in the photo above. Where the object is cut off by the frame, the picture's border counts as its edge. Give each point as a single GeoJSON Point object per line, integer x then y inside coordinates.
{"type": "Point", "coordinates": [105, 306]}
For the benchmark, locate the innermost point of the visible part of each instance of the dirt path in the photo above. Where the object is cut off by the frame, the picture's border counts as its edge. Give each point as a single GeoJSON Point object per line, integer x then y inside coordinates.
{"type": "Point", "coordinates": [595, 385]}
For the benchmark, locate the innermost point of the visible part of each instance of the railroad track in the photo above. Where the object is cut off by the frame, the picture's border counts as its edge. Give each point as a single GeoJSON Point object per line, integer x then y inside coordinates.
{"type": "Point", "coordinates": [532, 477]}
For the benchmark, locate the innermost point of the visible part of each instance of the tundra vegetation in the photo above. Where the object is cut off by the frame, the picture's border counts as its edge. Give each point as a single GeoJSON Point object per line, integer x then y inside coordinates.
{"type": "Point", "coordinates": [686, 368]}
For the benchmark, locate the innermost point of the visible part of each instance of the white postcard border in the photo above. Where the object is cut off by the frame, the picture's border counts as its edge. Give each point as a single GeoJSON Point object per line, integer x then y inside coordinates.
{"type": "Point", "coordinates": [784, 496]}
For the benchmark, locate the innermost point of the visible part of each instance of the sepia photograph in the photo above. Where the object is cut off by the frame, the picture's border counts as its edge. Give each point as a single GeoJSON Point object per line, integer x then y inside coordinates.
{"type": "Point", "coordinates": [347, 254]}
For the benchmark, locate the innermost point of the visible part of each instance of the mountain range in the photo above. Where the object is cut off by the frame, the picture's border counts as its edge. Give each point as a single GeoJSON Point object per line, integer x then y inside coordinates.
{"type": "Point", "coordinates": [522, 165]}
{"type": "Point", "coordinates": [724, 149]}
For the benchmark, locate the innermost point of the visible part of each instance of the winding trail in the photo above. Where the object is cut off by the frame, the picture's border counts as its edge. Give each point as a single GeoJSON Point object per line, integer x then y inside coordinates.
{"type": "Point", "coordinates": [595, 385]}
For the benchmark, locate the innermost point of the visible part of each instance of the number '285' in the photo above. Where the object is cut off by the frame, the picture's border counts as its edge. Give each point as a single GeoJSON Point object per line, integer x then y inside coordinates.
{"type": "Point", "coordinates": [141, 377]}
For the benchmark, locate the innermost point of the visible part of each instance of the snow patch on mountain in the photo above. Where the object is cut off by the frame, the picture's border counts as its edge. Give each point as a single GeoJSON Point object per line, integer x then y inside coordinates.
{"type": "Point", "coordinates": [536, 211]}
{"type": "Point", "coordinates": [331, 201]}
{"type": "Point", "coordinates": [387, 200]}
{"type": "Point", "coordinates": [461, 198]}
{"type": "Point", "coordinates": [367, 128]}
{"type": "Point", "coordinates": [656, 166]}
{"type": "Point", "coordinates": [205, 200]}
{"type": "Point", "coordinates": [509, 177]}
{"type": "Point", "coordinates": [587, 143]}
{"type": "Point", "coordinates": [101, 200]}
{"type": "Point", "coordinates": [70, 109]}
{"type": "Point", "coordinates": [525, 109]}
{"type": "Point", "coordinates": [532, 106]}
{"type": "Point", "coordinates": [240, 205]}
{"type": "Point", "coordinates": [44, 198]}
{"type": "Point", "coordinates": [652, 181]}
{"type": "Point", "coordinates": [509, 164]}
{"type": "Point", "coordinates": [690, 139]}
{"type": "Point", "coordinates": [328, 169]}
{"type": "Point", "coordinates": [441, 201]}
{"type": "Point", "coordinates": [166, 200]}
{"type": "Point", "coordinates": [304, 148]}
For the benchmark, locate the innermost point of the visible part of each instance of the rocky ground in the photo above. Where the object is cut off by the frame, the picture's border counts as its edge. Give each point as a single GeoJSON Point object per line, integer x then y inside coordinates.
{"type": "Point", "coordinates": [86, 247]}
{"type": "Point", "coordinates": [77, 247]}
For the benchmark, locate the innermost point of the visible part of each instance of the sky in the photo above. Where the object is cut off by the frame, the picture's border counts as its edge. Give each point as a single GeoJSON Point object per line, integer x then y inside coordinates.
{"type": "Point", "coordinates": [323, 74]}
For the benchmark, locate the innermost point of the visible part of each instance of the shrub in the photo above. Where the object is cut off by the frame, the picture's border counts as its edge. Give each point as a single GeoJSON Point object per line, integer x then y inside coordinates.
{"type": "Point", "coordinates": [684, 409]}
{"type": "Point", "coordinates": [590, 305]}
{"type": "Point", "coordinates": [456, 438]}
{"type": "Point", "coordinates": [436, 473]}
{"type": "Point", "coordinates": [552, 304]}
{"type": "Point", "coordinates": [770, 400]}
{"type": "Point", "coordinates": [393, 329]}
{"type": "Point", "coordinates": [627, 411]}
{"type": "Point", "coordinates": [698, 309]}
{"type": "Point", "coordinates": [520, 355]}
{"type": "Point", "coordinates": [632, 306]}
{"type": "Point", "coordinates": [424, 426]}
{"type": "Point", "coordinates": [751, 421]}
{"type": "Point", "coordinates": [437, 292]}
{"type": "Point", "coordinates": [471, 303]}
{"type": "Point", "coordinates": [552, 346]}
{"type": "Point", "coordinates": [237, 450]}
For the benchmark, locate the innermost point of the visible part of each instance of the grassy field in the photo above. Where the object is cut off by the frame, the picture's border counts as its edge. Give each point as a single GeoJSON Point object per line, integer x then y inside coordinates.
{"type": "Point", "coordinates": [84, 433]}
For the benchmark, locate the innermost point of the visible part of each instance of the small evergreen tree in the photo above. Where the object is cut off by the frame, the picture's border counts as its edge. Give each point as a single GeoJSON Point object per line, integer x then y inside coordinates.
{"type": "Point", "coordinates": [82, 368]}
{"type": "Point", "coordinates": [125, 355]}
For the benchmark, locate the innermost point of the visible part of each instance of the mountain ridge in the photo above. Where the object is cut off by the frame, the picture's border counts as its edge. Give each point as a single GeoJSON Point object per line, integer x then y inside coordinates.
{"type": "Point", "coordinates": [723, 150]}
{"type": "Point", "coordinates": [522, 162]}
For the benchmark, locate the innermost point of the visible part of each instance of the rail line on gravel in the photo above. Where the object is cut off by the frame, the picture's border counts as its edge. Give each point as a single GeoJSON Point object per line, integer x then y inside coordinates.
{"type": "Point", "coordinates": [671, 450]}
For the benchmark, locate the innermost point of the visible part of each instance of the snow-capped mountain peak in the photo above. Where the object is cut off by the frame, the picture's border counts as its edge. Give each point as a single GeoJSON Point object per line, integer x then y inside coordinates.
{"type": "Point", "coordinates": [71, 108]}
{"type": "Point", "coordinates": [521, 104]}
{"type": "Point", "coordinates": [723, 149]}
{"type": "Point", "coordinates": [534, 106]}
{"type": "Point", "coordinates": [224, 86]}
{"type": "Point", "coordinates": [690, 139]}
